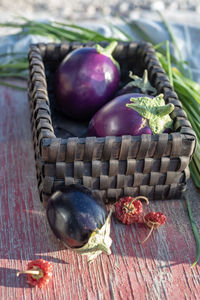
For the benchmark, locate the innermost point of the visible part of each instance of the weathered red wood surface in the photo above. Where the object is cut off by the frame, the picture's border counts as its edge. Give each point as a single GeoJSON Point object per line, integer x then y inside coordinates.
{"type": "Point", "coordinates": [159, 269]}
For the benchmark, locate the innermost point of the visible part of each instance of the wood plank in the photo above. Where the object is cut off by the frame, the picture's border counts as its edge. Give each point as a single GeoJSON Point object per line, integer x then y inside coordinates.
{"type": "Point", "coordinates": [159, 269]}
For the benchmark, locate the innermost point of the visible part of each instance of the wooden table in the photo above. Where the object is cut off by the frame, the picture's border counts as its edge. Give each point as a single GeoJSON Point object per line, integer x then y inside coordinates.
{"type": "Point", "coordinates": [158, 269]}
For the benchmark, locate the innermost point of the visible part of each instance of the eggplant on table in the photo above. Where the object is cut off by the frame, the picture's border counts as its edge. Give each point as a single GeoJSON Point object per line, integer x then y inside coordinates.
{"type": "Point", "coordinates": [80, 220]}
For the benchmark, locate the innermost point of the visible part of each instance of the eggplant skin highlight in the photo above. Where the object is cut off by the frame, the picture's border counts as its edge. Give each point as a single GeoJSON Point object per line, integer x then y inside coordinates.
{"type": "Point", "coordinates": [74, 214]}
{"type": "Point", "coordinates": [85, 80]}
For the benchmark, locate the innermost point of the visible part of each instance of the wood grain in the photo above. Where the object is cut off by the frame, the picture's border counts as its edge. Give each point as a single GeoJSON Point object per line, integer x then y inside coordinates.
{"type": "Point", "coordinates": [159, 269]}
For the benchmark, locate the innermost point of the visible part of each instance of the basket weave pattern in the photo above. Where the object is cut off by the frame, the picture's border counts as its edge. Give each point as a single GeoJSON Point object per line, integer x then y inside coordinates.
{"type": "Point", "coordinates": [153, 166]}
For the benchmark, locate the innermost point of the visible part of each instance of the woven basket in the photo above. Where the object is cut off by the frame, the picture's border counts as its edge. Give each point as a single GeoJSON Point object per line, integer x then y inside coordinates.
{"type": "Point", "coordinates": [155, 166]}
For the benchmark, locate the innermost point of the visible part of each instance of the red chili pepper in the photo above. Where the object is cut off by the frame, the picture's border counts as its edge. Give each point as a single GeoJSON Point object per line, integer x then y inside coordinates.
{"type": "Point", "coordinates": [38, 272]}
{"type": "Point", "coordinates": [153, 220]}
{"type": "Point", "coordinates": [129, 210]}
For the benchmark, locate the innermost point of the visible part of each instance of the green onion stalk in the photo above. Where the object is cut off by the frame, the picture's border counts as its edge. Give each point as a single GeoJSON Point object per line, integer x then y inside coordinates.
{"type": "Point", "coordinates": [194, 229]}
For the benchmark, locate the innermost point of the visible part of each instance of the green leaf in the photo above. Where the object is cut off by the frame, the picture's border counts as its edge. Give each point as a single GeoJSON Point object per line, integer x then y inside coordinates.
{"type": "Point", "coordinates": [195, 230]}
{"type": "Point", "coordinates": [169, 63]}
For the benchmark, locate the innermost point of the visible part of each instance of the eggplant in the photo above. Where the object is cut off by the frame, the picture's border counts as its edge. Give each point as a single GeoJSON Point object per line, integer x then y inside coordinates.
{"type": "Point", "coordinates": [132, 114]}
{"type": "Point", "coordinates": [85, 80]}
{"type": "Point", "coordinates": [138, 85]}
{"type": "Point", "coordinates": [80, 220]}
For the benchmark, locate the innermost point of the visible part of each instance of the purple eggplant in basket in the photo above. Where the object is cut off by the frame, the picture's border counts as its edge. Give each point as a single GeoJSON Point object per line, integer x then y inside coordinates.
{"type": "Point", "coordinates": [132, 114]}
{"type": "Point", "coordinates": [85, 80]}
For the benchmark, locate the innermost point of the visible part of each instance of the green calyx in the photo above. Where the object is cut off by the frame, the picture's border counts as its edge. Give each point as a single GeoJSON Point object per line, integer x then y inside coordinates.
{"type": "Point", "coordinates": [155, 111]}
{"type": "Point", "coordinates": [99, 241]}
{"type": "Point", "coordinates": [107, 51]}
{"type": "Point", "coordinates": [142, 83]}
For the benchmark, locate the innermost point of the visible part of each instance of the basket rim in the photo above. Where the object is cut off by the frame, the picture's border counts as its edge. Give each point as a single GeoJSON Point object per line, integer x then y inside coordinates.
{"type": "Point", "coordinates": [38, 88]}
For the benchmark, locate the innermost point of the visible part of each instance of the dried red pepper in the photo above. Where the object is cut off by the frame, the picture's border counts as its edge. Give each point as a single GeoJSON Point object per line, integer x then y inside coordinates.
{"type": "Point", "coordinates": [153, 220]}
{"type": "Point", "coordinates": [38, 272]}
{"type": "Point", "coordinates": [129, 209]}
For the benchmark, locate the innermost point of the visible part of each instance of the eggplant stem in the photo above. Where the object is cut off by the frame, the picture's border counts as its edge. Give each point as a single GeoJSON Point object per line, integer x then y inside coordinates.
{"type": "Point", "coordinates": [104, 248]}
{"type": "Point", "coordinates": [142, 82]}
{"type": "Point", "coordinates": [140, 109]}
{"type": "Point", "coordinates": [145, 77]}
{"type": "Point", "coordinates": [98, 242]}
{"type": "Point", "coordinates": [108, 50]}
{"type": "Point", "coordinates": [165, 109]}
{"type": "Point", "coordinates": [111, 47]}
